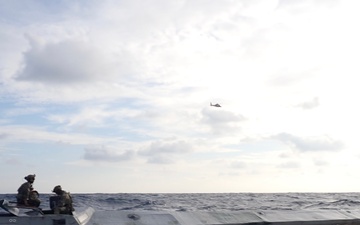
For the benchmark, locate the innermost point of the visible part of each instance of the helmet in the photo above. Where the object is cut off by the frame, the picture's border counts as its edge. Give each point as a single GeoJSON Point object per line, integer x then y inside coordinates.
{"type": "Point", "coordinates": [30, 177]}
{"type": "Point", "coordinates": [57, 188]}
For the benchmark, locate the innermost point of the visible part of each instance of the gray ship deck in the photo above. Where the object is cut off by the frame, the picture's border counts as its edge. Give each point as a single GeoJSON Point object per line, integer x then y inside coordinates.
{"type": "Point", "coordinates": [324, 217]}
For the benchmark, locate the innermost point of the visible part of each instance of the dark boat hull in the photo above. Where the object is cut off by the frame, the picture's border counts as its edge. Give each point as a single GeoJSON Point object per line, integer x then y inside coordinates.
{"type": "Point", "coordinates": [20, 215]}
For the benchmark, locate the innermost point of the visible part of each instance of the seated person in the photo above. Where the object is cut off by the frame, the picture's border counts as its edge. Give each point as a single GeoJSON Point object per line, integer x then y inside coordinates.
{"type": "Point", "coordinates": [26, 194]}
{"type": "Point", "coordinates": [34, 198]}
{"type": "Point", "coordinates": [62, 203]}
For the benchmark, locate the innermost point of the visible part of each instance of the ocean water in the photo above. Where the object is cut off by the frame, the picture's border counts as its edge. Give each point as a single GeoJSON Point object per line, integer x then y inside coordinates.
{"type": "Point", "coordinates": [220, 202]}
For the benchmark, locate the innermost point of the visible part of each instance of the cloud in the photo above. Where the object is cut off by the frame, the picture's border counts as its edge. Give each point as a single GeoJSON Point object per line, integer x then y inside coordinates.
{"type": "Point", "coordinates": [289, 165]}
{"type": "Point", "coordinates": [19, 111]}
{"type": "Point", "coordinates": [102, 153]}
{"type": "Point", "coordinates": [164, 152]}
{"type": "Point", "coordinates": [68, 61]}
{"type": "Point", "coordinates": [221, 121]}
{"type": "Point", "coordinates": [3, 136]}
{"type": "Point", "coordinates": [311, 144]}
{"type": "Point", "coordinates": [292, 76]}
{"type": "Point", "coordinates": [310, 104]}
{"type": "Point", "coordinates": [319, 162]}
{"type": "Point", "coordinates": [301, 6]}
{"type": "Point", "coordinates": [238, 165]}
{"type": "Point", "coordinates": [40, 134]}
{"type": "Point", "coordinates": [161, 160]}
{"type": "Point", "coordinates": [88, 116]}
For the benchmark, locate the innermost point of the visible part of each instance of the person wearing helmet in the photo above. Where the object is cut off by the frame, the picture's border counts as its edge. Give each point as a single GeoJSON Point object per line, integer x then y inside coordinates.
{"type": "Point", "coordinates": [63, 203]}
{"type": "Point", "coordinates": [26, 193]}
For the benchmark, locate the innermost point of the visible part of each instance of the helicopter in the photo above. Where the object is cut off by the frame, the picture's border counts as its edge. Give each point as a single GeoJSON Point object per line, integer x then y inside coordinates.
{"type": "Point", "coordinates": [215, 105]}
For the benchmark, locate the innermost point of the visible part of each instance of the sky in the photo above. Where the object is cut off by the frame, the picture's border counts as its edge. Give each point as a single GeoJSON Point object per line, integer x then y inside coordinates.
{"type": "Point", "coordinates": [114, 96]}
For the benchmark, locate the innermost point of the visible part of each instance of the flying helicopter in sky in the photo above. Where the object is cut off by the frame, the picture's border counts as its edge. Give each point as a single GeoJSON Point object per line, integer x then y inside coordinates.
{"type": "Point", "coordinates": [215, 105]}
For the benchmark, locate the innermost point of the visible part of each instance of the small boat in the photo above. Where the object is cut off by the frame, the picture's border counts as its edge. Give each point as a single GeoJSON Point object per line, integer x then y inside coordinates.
{"type": "Point", "coordinates": [25, 215]}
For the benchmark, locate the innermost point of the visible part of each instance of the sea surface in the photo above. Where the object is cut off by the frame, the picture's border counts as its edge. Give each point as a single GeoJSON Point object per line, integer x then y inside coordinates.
{"type": "Point", "coordinates": [220, 202]}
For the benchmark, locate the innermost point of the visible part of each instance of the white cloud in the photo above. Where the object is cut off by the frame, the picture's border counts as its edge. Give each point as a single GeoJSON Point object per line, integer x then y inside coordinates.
{"type": "Point", "coordinates": [38, 134]}
{"type": "Point", "coordinates": [102, 153]}
{"type": "Point", "coordinates": [310, 104]}
{"type": "Point", "coordinates": [165, 151]}
{"type": "Point", "coordinates": [309, 144]}
{"type": "Point", "coordinates": [88, 116]}
{"type": "Point", "coordinates": [23, 110]}
{"type": "Point", "coordinates": [238, 165]}
{"type": "Point", "coordinates": [321, 163]}
{"type": "Point", "coordinates": [67, 62]}
{"type": "Point", "coordinates": [222, 121]}
{"type": "Point", "coordinates": [161, 159]}
{"type": "Point", "coordinates": [289, 165]}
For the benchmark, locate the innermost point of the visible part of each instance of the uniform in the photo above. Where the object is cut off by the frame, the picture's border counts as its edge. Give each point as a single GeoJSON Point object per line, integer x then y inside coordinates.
{"type": "Point", "coordinates": [26, 193]}
{"type": "Point", "coordinates": [23, 193]}
{"type": "Point", "coordinates": [34, 198]}
{"type": "Point", "coordinates": [63, 203]}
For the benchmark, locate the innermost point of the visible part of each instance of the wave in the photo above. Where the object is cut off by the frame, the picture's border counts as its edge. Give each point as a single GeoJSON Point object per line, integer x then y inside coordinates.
{"type": "Point", "coordinates": [211, 202]}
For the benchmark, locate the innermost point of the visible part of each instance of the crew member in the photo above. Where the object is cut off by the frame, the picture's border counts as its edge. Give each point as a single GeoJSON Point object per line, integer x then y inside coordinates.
{"type": "Point", "coordinates": [34, 198]}
{"type": "Point", "coordinates": [26, 194]}
{"type": "Point", "coordinates": [63, 203]}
